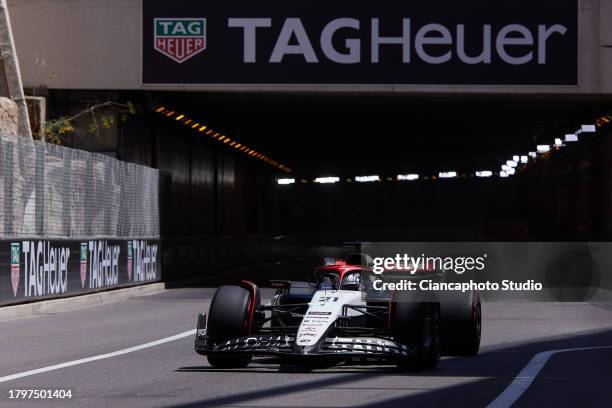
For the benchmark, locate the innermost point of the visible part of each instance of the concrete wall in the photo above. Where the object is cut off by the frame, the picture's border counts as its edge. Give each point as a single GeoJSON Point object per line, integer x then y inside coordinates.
{"type": "Point", "coordinates": [207, 189]}
{"type": "Point", "coordinates": [95, 44]}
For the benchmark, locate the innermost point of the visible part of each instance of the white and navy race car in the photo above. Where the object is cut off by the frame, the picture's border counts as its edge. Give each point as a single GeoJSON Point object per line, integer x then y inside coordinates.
{"type": "Point", "coordinates": [337, 318]}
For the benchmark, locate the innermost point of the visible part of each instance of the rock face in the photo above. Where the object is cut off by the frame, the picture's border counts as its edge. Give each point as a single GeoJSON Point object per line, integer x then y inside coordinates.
{"type": "Point", "coordinates": [8, 117]}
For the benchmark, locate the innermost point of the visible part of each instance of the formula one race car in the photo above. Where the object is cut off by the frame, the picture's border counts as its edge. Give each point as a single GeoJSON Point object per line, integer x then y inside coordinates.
{"type": "Point", "coordinates": [338, 318]}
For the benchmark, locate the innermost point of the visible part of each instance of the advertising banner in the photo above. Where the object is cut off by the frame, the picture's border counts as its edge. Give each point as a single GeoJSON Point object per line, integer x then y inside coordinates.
{"type": "Point", "coordinates": [37, 269]}
{"type": "Point", "coordinates": [479, 42]}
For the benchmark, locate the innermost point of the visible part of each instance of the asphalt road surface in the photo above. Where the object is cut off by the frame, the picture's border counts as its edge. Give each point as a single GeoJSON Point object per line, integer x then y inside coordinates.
{"type": "Point", "coordinates": [171, 374]}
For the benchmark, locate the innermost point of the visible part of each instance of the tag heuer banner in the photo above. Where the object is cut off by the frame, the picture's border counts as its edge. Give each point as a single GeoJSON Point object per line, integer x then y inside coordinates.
{"type": "Point", "coordinates": [507, 42]}
{"type": "Point", "coordinates": [36, 269]}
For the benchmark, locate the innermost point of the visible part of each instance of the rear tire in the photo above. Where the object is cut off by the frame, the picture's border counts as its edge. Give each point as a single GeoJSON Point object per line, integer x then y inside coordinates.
{"type": "Point", "coordinates": [228, 318]}
{"type": "Point", "coordinates": [411, 311]}
{"type": "Point", "coordinates": [461, 323]}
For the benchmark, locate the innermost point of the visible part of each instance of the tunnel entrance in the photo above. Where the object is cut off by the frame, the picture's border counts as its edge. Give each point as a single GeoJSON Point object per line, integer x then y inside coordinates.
{"type": "Point", "coordinates": [443, 168]}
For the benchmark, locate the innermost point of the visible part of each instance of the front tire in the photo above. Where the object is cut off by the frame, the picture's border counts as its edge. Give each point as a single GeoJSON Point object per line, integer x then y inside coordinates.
{"type": "Point", "coordinates": [228, 318]}
{"type": "Point", "coordinates": [416, 322]}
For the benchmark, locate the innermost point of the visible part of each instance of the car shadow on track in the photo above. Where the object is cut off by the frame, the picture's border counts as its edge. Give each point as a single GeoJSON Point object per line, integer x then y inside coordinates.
{"type": "Point", "coordinates": [274, 364]}
{"type": "Point", "coordinates": [484, 376]}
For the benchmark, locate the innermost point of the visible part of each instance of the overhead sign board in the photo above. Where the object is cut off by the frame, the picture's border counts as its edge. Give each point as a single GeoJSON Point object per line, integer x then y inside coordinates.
{"type": "Point", "coordinates": [476, 42]}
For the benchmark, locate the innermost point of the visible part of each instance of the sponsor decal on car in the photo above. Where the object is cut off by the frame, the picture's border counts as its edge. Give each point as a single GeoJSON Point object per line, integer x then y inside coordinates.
{"type": "Point", "coordinates": [315, 323]}
{"type": "Point", "coordinates": [257, 342]}
{"type": "Point", "coordinates": [367, 345]}
{"type": "Point", "coordinates": [315, 313]}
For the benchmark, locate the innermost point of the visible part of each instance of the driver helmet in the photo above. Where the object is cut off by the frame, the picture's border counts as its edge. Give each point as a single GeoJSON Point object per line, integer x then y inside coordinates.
{"type": "Point", "coordinates": [351, 281]}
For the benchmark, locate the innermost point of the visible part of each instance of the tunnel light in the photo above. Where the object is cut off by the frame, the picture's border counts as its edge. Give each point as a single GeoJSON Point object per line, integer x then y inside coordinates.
{"type": "Point", "coordinates": [533, 155]}
{"type": "Point", "coordinates": [447, 174]}
{"type": "Point", "coordinates": [524, 159]}
{"type": "Point", "coordinates": [570, 137]}
{"type": "Point", "coordinates": [602, 121]}
{"type": "Point", "coordinates": [285, 181]}
{"type": "Point", "coordinates": [588, 128]}
{"type": "Point", "coordinates": [515, 158]}
{"type": "Point", "coordinates": [407, 177]}
{"type": "Point", "coordinates": [503, 174]}
{"type": "Point", "coordinates": [558, 142]}
{"type": "Point", "coordinates": [184, 120]}
{"type": "Point", "coordinates": [366, 179]}
{"type": "Point", "coordinates": [543, 148]}
{"type": "Point", "coordinates": [484, 173]}
{"type": "Point", "coordinates": [327, 180]}
{"type": "Point", "coordinates": [512, 163]}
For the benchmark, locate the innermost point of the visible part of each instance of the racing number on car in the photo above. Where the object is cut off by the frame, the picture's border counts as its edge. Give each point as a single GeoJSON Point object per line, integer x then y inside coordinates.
{"type": "Point", "coordinates": [328, 299]}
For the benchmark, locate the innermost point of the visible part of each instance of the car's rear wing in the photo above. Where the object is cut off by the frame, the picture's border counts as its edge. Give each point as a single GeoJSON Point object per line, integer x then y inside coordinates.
{"type": "Point", "coordinates": [280, 284]}
{"type": "Point", "coordinates": [353, 244]}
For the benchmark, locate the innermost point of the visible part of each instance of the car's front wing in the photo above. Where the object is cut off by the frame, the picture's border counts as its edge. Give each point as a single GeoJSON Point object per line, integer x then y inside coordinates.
{"type": "Point", "coordinates": [284, 345]}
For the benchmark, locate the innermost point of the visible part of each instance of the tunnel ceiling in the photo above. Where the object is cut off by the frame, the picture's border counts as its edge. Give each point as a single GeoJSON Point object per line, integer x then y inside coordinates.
{"type": "Point", "coordinates": [386, 134]}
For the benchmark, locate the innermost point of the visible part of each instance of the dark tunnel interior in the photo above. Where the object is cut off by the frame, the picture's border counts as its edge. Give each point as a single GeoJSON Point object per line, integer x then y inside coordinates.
{"type": "Point", "coordinates": [347, 135]}
{"type": "Point", "coordinates": [214, 190]}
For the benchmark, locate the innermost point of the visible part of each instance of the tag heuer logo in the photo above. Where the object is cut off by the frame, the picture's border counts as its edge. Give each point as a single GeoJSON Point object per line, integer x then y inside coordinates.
{"type": "Point", "coordinates": [15, 267]}
{"type": "Point", "coordinates": [129, 260]}
{"type": "Point", "coordinates": [179, 38]}
{"type": "Point", "coordinates": [83, 263]}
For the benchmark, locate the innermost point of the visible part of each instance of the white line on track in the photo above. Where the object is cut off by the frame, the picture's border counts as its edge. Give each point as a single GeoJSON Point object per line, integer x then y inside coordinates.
{"type": "Point", "coordinates": [98, 357]}
{"type": "Point", "coordinates": [524, 379]}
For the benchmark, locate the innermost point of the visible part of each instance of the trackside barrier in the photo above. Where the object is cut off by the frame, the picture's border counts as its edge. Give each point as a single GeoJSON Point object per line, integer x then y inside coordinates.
{"type": "Point", "coordinates": [74, 222]}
